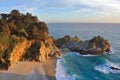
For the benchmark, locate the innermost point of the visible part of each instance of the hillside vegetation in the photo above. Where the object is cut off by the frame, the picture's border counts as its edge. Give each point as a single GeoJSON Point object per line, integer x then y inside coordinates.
{"type": "Point", "coordinates": [25, 33]}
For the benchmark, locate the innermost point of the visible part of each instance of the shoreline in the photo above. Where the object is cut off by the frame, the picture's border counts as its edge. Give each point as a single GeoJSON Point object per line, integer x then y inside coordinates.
{"type": "Point", "coordinates": [26, 70]}
{"type": "Point", "coordinates": [30, 71]}
{"type": "Point", "coordinates": [49, 67]}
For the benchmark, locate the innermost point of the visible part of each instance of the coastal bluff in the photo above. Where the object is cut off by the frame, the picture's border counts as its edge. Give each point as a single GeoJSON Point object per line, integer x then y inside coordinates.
{"type": "Point", "coordinates": [24, 38]}
{"type": "Point", "coordinates": [95, 46]}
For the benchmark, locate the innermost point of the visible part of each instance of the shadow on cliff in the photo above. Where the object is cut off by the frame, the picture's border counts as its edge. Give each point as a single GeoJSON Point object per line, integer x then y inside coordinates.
{"type": "Point", "coordinates": [30, 76]}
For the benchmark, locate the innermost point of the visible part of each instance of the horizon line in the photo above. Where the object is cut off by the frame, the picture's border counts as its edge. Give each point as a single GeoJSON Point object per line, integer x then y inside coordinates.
{"type": "Point", "coordinates": [88, 22]}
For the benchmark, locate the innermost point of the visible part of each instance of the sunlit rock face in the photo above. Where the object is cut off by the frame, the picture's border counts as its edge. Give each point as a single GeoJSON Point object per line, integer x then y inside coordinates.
{"type": "Point", "coordinates": [24, 38]}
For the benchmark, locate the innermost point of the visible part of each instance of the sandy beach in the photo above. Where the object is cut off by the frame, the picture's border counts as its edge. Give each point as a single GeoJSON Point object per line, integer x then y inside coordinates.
{"type": "Point", "coordinates": [30, 71]}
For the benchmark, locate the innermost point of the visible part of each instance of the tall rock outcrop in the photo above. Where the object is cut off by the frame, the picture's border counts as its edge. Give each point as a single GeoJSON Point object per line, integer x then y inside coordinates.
{"type": "Point", "coordinates": [24, 38]}
{"type": "Point", "coordinates": [48, 49]}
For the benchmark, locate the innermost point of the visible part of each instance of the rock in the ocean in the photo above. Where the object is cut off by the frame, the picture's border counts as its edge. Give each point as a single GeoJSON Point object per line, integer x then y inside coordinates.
{"type": "Point", "coordinates": [94, 46]}
{"type": "Point", "coordinates": [63, 41]}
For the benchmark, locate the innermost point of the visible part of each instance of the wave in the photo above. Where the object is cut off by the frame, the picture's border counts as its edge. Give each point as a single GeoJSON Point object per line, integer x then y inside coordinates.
{"type": "Point", "coordinates": [116, 65]}
{"type": "Point", "coordinates": [106, 68]}
{"type": "Point", "coordinates": [61, 72]}
{"type": "Point", "coordinates": [88, 55]}
{"type": "Point", "coordinates": [78, 54]}
{"type": "Point", "coordinates": [113, 50]}
{"type": "Point", "coordinates": [62, 69]}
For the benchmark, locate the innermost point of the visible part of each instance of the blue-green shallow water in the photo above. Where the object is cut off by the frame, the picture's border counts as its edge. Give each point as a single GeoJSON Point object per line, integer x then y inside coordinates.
{"type": "Point", "coordinates": [73, 66]}
{"type": "Point", "coordinates": [83, 67]}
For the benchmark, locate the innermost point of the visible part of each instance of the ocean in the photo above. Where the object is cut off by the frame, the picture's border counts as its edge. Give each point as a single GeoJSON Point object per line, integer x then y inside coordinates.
{"type": "Point", "coordinates": [74, 66]}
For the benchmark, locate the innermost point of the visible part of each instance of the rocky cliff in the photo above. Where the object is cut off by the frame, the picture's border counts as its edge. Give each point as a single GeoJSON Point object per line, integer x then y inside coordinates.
{"type": "Point", "coordinates": [34, 50]}
{"type": "Point", "coordinates": [19, 50]}
{"type": "Point", "coordinates": [24, 38]}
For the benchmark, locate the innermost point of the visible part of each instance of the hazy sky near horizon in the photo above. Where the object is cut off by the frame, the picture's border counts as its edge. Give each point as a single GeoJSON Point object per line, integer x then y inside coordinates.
{"type": "Point", "coordinates": [67, 10]}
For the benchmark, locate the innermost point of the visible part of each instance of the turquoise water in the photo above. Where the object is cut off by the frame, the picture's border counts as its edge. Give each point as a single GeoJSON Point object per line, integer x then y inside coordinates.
{"type": "Point", "coordinates": [73, 66]}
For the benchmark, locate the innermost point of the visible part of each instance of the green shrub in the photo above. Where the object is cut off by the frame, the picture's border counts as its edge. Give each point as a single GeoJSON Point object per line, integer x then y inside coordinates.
{"type": "Point", "coordinates": [32, 52]}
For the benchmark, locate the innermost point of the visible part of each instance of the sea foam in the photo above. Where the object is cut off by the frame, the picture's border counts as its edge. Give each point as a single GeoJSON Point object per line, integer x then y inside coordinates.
{"type": "Point", "coordinates": [78, 54]}
{"type": "Point", "coordinates": [61, 72]}
{"type": "Point", "coordinates": [113, 50]}
{"type": "Point", "coordinates": [105, 68]}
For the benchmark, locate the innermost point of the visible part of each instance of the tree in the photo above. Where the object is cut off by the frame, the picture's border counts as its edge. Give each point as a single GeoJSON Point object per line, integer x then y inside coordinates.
{"type": "Point", "coordinates": [3, 16]}
{"type": "Point", "coordinates": [28, 19]}
{"type": "Point", "coordinates": [42, 26]}
{"type": "Point", "coordinates": [6, 30]}
{"type": "Point", "coordinates": [34, 19]}
{"type": "Point", "coordinates": [15, 13]}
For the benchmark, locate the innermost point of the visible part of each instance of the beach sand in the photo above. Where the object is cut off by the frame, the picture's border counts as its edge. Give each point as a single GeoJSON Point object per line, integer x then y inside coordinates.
{"type": "Point", "coordinates": [49, 67]}
{"type": "Point", "coordinates": [30, 71]}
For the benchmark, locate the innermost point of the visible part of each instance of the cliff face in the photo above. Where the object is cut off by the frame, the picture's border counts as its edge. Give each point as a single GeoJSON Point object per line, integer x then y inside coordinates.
{"type": "Point", "coordinates": [24, 38]}
{"type": "Point", "coordinates": [23, 51]}
{"type": "Point", "coordinates": [19, 50]}
{"type": "Point", "coordinates": [34, 50]}
{"type": "Point", "coordinates": [48, 49]}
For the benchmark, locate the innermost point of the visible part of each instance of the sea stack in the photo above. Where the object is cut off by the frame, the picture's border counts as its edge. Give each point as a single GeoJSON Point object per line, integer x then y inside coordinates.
{"type": "Point", "coordinates": [95, 46]}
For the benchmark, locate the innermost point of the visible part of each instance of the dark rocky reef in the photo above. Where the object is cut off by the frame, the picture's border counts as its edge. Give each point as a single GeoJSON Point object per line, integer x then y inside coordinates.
{"type": "Point", "coordinates": [114, 68]}
{"type": "Point", "coordinates": [94, 46]}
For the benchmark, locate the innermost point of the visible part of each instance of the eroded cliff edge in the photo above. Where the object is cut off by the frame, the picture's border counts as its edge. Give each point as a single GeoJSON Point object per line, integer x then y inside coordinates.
{"type": "Point", "coordinates": [24, 38]}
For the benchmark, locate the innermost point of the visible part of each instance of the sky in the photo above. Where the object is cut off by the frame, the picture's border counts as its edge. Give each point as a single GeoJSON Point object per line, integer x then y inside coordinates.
{"type": "Point", "coordinates": [84, 11]}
